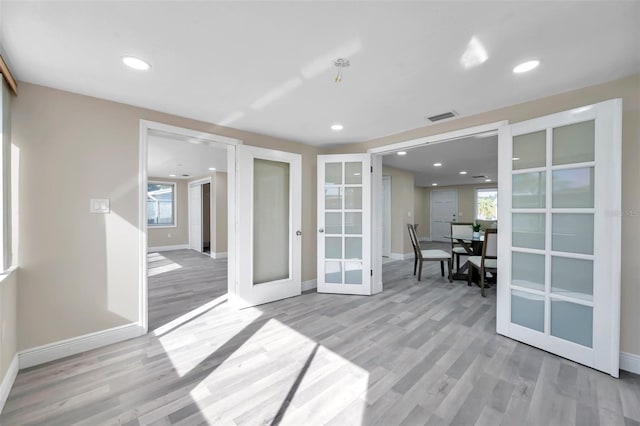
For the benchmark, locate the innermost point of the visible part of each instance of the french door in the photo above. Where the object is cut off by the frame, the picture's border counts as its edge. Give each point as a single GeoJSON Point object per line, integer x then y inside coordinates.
{"type": "Point", "coordinates": [559, 234]}
{"type": "Point", "coordinates": [268, 226]}
{"type": "Point", "coordinates": [344, 224]}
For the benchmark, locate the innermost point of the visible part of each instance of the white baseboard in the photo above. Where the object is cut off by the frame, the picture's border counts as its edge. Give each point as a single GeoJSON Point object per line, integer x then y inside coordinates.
{"type": "Point", "coordinates": [630, 362]}
{"type": "Point", "coordinates": [309, 285]}
{"type": "Point", "coordinates": [221, 255]}
{"type": "Point", "coordinates": [424, 240]}
{"type": "Point", "coordinates": [7, 381]}
{"type": "Point", "coordinates": [167, 248]}
{"type": "Point", "coordinates": [401, 256]}
{"type": "Point", "coordinates": [57, 350]}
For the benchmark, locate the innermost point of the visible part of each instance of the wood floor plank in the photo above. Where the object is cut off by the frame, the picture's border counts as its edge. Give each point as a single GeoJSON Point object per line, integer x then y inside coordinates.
{"type": "Point", "coordinates": [418, 353]}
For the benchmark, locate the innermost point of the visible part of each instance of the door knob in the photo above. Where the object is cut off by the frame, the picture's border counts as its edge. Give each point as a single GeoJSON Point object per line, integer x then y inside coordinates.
{"type": "Point", "coordinates": [321, 230]}
{"type": "Point", "coordinates": [298, 233]}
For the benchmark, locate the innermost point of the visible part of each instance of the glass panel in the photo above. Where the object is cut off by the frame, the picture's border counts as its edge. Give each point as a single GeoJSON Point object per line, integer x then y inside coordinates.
{"type": "Point", "coordinates": [353, 198]}
{"type": "Point", "coordinates": [333, 247]}
{"type": "Point", "coordinates": [527, 270]}
{"type": "Point", "coordinates": [529, 150]}
{"type": "Point", "coordinates": [572, 233]}
{"type": "Point", "coordinates": [574, 143]}
{"type": "Point", "coordinates": [353, 248]}
{"type": "Point", "coordinates": [333, 272]}
{"type": "Point", "coordinates": [572, 277]}
{"type": "Point", "coordinates": [332, 198]}
{"type": "Point", "coordinates": [527, 310]}
{"type": "Point", "coordinates": [352, 273]}
{"type": "Point", "coordinates": [160, 209]}
{"type": "Point", "coordinates": [353, 173]}
{"type": "Point", "coordinates": [333, 223]}
{"type": "Point", "coordinates": [270, 221]}
{"type": "Point", "coordinates": [529, 190]}
{"type": "Point", "coordinates": [573, 322]}
{"type": "Point", "coordinates": [333, 173]}
{"type": "Point", "coordinates": [573, 188]}
{"type": "Point", "coordinates": [353, 223]}
{"type": "Point", "coordinates": [528, 230]}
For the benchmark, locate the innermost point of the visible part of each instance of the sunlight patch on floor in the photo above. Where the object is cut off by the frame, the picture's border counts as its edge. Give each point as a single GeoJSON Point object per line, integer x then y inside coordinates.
{"type": "Point", "coordinates": [158, 264]}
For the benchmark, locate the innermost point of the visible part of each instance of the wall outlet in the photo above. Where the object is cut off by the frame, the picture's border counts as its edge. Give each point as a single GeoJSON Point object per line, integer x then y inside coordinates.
{"type": "Point", "coordinates": [169, 235]}
{"type": "Point", "coordinates": [99, 205]}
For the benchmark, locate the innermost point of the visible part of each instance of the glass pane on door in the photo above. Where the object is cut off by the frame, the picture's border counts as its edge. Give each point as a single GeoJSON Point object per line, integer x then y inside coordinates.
{"type": "Point", "coordinates": [271, 246]}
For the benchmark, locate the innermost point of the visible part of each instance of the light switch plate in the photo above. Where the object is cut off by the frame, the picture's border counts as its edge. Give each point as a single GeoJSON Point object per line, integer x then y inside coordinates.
{"type": "Point", "coordinates": [99, 205]}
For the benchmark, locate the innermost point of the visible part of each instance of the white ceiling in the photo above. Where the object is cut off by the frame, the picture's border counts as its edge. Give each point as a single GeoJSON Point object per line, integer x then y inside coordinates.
{"type": "Point", "coordinates": [168, 154]}
{"type": "Point", "coordinates": [268, 66]}
{"type": "Point", "coordinates": [477, 155]}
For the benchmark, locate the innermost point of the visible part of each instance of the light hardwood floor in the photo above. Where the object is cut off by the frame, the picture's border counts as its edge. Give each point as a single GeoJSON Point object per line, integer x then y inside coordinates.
{"type": "Point", "coordinates": [418, 353]}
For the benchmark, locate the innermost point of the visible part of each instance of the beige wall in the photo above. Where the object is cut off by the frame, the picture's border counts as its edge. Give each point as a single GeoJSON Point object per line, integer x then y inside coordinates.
{"type": "Point", "coordinates": [401, 208]}
{"type": "Point", "coordinates": [79, 272]}
{"type": "Point", "coordinates": [178, 235]}
{"type": "Point", "coordinates": [8, 320]}
{"type": "Point", "coordinates": [629, 90]}
{"type": "Point", "coordinates": [466, 201]}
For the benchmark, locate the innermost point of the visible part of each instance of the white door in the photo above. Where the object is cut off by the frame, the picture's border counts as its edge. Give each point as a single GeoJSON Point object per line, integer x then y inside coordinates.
{"type": "Point", "coordinates": [269, 220]}
{"type": "Point", "coordinates": [444, 207]}
{"type": "Point", "coordinates": [344, 224]}
{"type": "Point", "coordinates": [195, 217]}
{"type": "Point", "coordinates": [386, 216]}
{"type": "Point", "coordinates": [559, 234]}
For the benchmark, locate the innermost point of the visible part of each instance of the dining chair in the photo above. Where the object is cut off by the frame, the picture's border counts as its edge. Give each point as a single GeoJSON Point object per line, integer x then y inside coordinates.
{"type": "Point", "coordinates": [488, 262]}
{"type": "Point", "coordinates": [427, 255]}
{"type": "Point", "coordinates": [460, 230]}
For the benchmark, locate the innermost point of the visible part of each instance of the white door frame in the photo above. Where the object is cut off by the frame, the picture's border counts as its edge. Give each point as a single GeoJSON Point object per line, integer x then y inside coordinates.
{"type": "Point", "coordinates": [189, 185]}
{"type": "Point", "coordinates": [431, 209]}
{"type": "Point", "coordinates": [221, 141]}
{"type": "Point", "coordinates": [376, 186]}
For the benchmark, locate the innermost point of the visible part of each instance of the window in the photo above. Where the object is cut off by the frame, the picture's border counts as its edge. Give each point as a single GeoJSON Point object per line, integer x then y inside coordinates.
{"type": "Point", "coordinates": [487, 204]}
{"type": "Point", "coordinates": [161, 204]}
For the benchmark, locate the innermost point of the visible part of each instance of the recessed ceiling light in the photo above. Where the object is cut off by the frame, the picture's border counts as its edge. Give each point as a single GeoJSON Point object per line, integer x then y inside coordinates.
{"type": "Point", "coordinates": [434, 184]}
{"type": "Point", "coordinates": [172, 175]}
{"type": "Point", "coordinates": [515, 158]}
{"type": "Point", "coordinates": [437, 164]}
{"type": "Point", "coordinates": [487, 180]}
{"type": "Point", "coordinates": [337, 127]}
{"type": "Point", "coordinates": [136, 63]}
{"type": "Point", "coordinates": [402, 152]}
{"type": "Point", "coordinates": [463, 172]}
{"type": "Point", "coordinates": [526, 66]}
{"type": "Point", "coordinates": [212, 168]}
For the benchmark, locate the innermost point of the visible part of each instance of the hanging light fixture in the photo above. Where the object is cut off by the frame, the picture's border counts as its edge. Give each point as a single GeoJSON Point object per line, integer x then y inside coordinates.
{"type": "Point", "coordinates": [340, 64]}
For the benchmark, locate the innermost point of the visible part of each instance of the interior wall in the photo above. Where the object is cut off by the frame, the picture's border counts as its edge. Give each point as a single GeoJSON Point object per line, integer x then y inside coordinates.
{"type": "Point", "coordinates": [628, 89]}
{"type": "Point", "coordinates": [8, 321]}
{"type": "Point", "coordinates": [466, 203]}
{"type": "Point", "coordinates": [178, 235]}
{"type": "Point", "coordinates": [402, 187]}
{"type": "Point", "coordinates": [79, 271]}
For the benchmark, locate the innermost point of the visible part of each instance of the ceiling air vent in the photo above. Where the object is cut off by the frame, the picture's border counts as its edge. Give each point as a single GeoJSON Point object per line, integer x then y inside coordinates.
{"type": "Point", "coordinates": [442, 116]}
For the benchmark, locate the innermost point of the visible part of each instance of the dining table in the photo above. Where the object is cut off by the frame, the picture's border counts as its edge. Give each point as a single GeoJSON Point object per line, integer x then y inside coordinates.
{"type": "Point", "coordinates": [472, 245]}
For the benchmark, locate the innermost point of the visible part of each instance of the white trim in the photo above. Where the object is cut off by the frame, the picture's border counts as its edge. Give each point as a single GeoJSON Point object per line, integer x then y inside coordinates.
{"type": "Point", "coordinates": [64, 348]}
{"type": "Point", "coordinates": [168, 248]}
{"type": "Point", "coordinates": [7, 381]}
{"type": "Point", "coordinates": [309, 285]}
{"type": "Point", "coordinates": [630, 362]}
{"type": "Point", "coordinates": [231, 144]}
{"type": "Point", "coordinates": [441, 137]}
{"type": "Point", "coordinates": [220, 255]}
{"type": "Point", "coordinates": [401, 256]}
{"type": "Point", "coordinates": [424, 240]}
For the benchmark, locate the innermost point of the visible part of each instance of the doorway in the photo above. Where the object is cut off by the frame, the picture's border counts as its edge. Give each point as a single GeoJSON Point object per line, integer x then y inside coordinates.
{"type": "Point", "coordinates": [200, 218]}
{"type": "Point", "coordinates": [443, 209]}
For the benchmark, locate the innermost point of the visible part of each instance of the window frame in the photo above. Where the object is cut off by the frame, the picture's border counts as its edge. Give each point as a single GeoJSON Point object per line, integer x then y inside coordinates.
{"type": "Point", "coordinates": [175, 205]}
{"type": "Point", "coordinates": [475, 203]}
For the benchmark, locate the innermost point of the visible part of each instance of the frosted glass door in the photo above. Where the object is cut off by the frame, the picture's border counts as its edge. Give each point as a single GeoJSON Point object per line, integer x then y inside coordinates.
{"type": "Point", "coordinates": [344, 224]}
{"type": "Point", "coordinates": [268, 226]}
{"type": "Point", "coordinates": [559, 245]}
